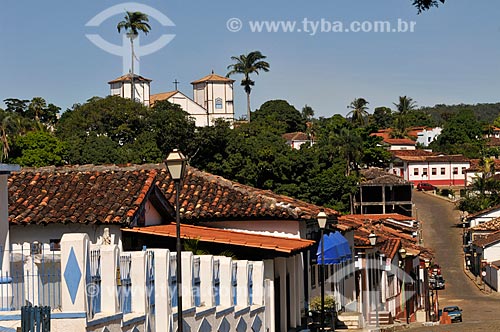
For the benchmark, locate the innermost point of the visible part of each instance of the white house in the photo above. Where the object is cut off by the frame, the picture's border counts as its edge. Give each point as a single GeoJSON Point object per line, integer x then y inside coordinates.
{"type": "Point", "coordinates": [423, 166]}
{"type": "Point", "coordinates": [122, 86]}
{"type": "Point", "coordinates": [425, 135]}
{"type": "Point", "coordinates": [213, 99]}
{"type": "Point", "coordinates": [297, 139]}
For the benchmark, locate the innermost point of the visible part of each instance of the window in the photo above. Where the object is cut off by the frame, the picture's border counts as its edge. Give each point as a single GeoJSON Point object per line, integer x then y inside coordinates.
{"type": "Point", "coordinates": [217, 282]}
{"type": "Point", "coordinates": [443, 171]}
{"type": "Point", "coordinates": [326, 268]}
{"type": "Point", "coordinates": [434, 171]}
{"type": "Point", "coordinates": [429, 139]}
{"type": "Point", "coordinates": [424, 171]}
{"type": "Point", "coordinates": [313, 276]}
{"type": "Point", "coordinates": [455, 170]}
{"type": "Point", "coordinates": [173, 279]}
{"type": "Point", "coordinates": [415, 171]}
{"type": "Point", "coordinates": [218, 103]}
{"type": "Point", "coordinates": [196, 282]}
{"type": "Point", "coordinates": [463, 170]}
{"type": "Point", "coordinates": [250, 284]}
{"type": "Point", "coordinates": [234, 283]}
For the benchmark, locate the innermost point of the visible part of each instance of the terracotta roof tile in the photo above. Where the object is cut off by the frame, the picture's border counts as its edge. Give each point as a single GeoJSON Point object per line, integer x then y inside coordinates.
{"type": "Point", "coordinates": [127, 78]}
{"type": "Point", "coordinates": [374, 175]}
{"type": "Point", "coordinates": [161, 96]}
{"type": "Point", "coordinates": [490, 239]}
{"type": "Point", "coordinates": [213, 78]}
{"type": "Point", "coordinates": [399, 141]}
{"type": "Point", "coordinates": [492, 225]}
{"type": "Point", "coordinates": [79, 196]}
{"type": "Point", "coordinates": [206, 234]}
{"type": "Point", "coordinates": [422, 155]}
{"type": "Point", "coordinates": [296, 136]}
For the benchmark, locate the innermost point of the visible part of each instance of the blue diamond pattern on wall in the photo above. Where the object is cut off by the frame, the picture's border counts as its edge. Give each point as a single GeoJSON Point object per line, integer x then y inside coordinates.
{"type": "Point", "coordinates": [205, 326]}
{"type": "Point", "coordinates": [257, 324]}
{"type": "Point", "coordinates": [224, 326]}
{"type": "Point", "coordinates": [242, 326]}
{"type": "Point", "coordinates": [72, 275]}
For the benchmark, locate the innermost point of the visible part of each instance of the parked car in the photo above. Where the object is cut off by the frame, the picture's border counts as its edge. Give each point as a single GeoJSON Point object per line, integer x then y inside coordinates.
{"type": "Point", "coordinates": [436, 282]}
{"type": "Point", "coordinates": [454, 312]}
{"type": "Point", "coordinates": [425, 186]}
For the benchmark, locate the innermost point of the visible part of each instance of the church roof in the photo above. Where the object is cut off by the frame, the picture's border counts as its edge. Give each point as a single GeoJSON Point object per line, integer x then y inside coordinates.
{"type": "Point", "coordinates": [127, 78]}
{"type": "Point", "coordinates": [161, 96]}
{"type": "Point", "coordinates": [213, 78]}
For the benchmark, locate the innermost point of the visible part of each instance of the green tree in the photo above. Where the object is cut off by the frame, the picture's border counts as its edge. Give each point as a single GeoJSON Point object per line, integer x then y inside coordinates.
{"type": "Point", "coordinates": [247, 64]}
{"type": "Point", "coordinates": [38, 148]}
{"type": "Point", "coordinates": [405, 104]}
{"type": "Point", "coordinates": [133, 23]}
{"type": "Point", "coordinates": [18, 106]}
{"type": "Point", "coordinates": [307, 113]}
{"type": "Point", "coordinates": [382, 117]}
{"type": "Point", "coordinates": [462, 134]}
{"type": "Point", "coordinates": [280, 115]}
{"type": "Point", "coordinates": [423, 5]}
{"type": "Point", "coordinates": [358, 111]}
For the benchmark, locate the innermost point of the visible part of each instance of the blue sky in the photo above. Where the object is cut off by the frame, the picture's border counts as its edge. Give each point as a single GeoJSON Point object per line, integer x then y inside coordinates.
{"type": "Point", "coordinates": [453, 56]}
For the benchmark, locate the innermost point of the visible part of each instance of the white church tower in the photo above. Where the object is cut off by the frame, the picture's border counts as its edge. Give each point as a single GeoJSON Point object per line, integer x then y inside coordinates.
{"type": "Point", "coordinates": [215, 94]}
{"type": "Point", "coordinates": [122, 86]}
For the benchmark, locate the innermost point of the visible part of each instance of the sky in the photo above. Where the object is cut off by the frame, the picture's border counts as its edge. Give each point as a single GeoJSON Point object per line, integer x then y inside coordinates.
{"type": "Point", "coordinates": [452, 55]}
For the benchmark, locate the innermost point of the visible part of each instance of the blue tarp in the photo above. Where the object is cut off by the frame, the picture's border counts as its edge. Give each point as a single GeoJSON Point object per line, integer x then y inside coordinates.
{"type": "Point", "coordinates": [336, 249]}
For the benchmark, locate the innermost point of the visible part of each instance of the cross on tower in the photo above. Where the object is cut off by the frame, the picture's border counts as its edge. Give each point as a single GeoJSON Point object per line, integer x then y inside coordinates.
{"type": "Point", "coordinates": [175, 84]}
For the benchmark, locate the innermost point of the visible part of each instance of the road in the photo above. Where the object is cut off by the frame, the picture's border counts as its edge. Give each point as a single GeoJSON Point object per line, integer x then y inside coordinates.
{"type": "Point", "coordinates": [440, 232]}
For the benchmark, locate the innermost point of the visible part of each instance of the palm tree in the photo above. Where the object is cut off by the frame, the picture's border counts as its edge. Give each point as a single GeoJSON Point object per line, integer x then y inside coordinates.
{"type": "Point", "coordinates": [132, 24]}
{"type": "Point", "coordinates": [349, 146]}
{"type": "Point", "coordinates": [405, 104]}
{"type": "Point", "coordinates": [358, 113]}
{"type": "Point", "coordinates": [247, 64]}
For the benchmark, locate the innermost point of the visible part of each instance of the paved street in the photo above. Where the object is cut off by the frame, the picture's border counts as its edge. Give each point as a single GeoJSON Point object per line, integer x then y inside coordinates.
{"type": "Point", "coordinates": [480, 311]}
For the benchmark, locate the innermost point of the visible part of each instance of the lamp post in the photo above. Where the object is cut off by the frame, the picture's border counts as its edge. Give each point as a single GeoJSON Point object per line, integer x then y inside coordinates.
{"type": "Point", "coordinates": [322, 218]}
{"type": "Point", "coordinates": [426, 288]}
{"type": "Point", "coordinates": [373, 241]}
{"type": "Point", "coordinates": [176, 164]}
{"type": "Point", "coordinates": [402, 253]}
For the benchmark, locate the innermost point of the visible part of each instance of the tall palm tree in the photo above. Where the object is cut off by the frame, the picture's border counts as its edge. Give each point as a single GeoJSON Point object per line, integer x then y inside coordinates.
{"type": "Point", "coordinates": [133, 23]}
{"type": "Point", "coordinates": [247, 64]}
{"type": "Point", "coordinates": [405, 104]}
{"type": "Point", "coordinates": [359, 111]}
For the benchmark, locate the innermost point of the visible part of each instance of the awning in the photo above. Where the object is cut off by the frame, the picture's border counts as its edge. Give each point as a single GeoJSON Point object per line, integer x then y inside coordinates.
{"type": "Point", "coordinates": [229, 237]}
{"type": "Point", "coordinates": [336, 249]}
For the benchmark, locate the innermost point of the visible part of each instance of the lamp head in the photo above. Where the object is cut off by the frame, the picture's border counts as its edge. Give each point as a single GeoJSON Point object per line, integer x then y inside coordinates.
{"type": "Point", "coordinates": [402, 253]}
{"type": "Point", "coordinates": [322, 218]}
{"type": "Point", "coordinates": [176, 164]}
{"type": "Point", "coordinates": [373, 238]}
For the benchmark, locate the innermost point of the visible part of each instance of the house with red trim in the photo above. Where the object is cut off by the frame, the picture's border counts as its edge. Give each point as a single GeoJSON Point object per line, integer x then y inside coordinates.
{"type": "Point", "coordinates": [394, 144]}
{"type": "Point", "coordinates": [423, 166]}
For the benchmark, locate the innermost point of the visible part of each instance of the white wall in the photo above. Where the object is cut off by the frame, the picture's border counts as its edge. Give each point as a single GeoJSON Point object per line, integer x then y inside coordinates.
{"type": "Point", "coordinates": [425, 137]}
{"type": "Point", "coordinates": [282, 228]}
{"type": "Point", "coordinates": [491, 253]}
{"type": "Point", "coordinates": [484, 217]}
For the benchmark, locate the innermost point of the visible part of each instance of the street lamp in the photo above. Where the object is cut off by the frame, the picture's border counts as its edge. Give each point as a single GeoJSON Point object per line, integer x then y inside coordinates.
{"type": "Point", "coordinates": [176, 164]}
{"type": "Point", "coordinates": [322, 218]}
{"type": "Point", "coordinates": [402, 253]}
{"type": "Point", "coordinates": [427, 263]}
{"type": "Point", "coordinates": [373, 241]}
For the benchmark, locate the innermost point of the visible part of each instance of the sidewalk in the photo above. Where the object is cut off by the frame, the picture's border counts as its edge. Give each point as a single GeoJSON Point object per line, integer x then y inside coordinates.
{"type": "Point", "coordinates": [482, 286]}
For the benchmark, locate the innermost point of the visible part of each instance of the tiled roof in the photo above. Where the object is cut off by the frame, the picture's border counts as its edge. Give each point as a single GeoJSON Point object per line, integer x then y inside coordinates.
{"type": "Point", "coordinates": [492, 225]}
{"type": "Point", "coordinates": [209, 197]}
{"type": "Point", "coordinates": [161, 96]}
{"type": "Point", "coordinates": [399, 141]}
{"type": "Point", "coordinates": [296, 136]}
{"type": "Point", "coordinates": [490, 239]}
{"type": "Point", "coordinates": [86, 196]}
{"type": "Point", "coordinates": [374, 175]}
{"type": "Point", "coordinates": [128, 77]}
{"type": "Point", "coordinates": [214, 235]}
{"type": "Point", "coordinates": [213, 78]}
{"type": "Point", "coordinates": [422, 155]}
{"type": "Point", "coordinates": [112, 194]}
{"type": "Point", "coordinates": [390, 247]}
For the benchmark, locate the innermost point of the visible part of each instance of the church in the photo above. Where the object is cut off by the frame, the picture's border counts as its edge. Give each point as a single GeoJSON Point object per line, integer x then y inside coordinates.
{"type": "Point", "coordinates": [213, 96]}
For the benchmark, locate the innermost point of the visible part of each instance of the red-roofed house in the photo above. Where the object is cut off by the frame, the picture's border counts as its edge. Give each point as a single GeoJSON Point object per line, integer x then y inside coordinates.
{"type": "Point", "coordinates": [296, 139]}
{"type": "Point", "coordinates": [424, 166]}
{"type": "Point", "coordinates": [394, 144]}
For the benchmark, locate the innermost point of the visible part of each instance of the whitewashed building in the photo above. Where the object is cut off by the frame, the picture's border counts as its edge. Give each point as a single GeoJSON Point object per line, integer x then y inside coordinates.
{"type": "Point", "coordinates": [213, 98]}
{"type": "Point", "coordinates": [122, 86]}
{"type": "Point", "coordinates": [423, 166]}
